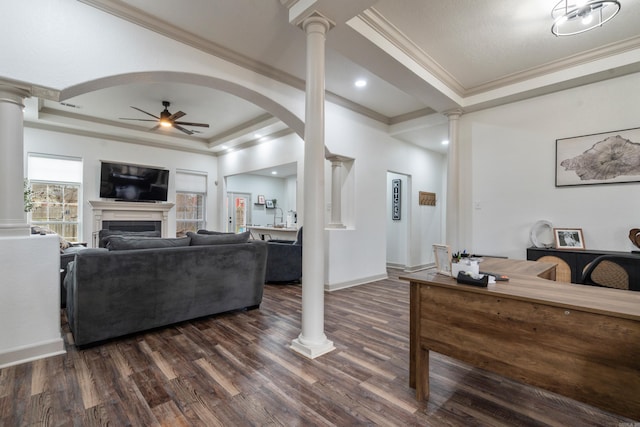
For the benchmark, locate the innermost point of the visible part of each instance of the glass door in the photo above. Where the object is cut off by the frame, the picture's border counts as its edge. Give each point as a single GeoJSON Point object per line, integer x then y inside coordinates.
{"type": "Point", "coordinates": [238, 212]}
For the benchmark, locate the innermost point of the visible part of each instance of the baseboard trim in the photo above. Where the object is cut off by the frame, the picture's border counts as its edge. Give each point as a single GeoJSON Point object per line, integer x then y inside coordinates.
{"type": "Point", "coordinates": [350, 284]}
{"type": "Point", "coordinates": [415, 268]}
{"type": "Point", "coordinates": [29, 353]}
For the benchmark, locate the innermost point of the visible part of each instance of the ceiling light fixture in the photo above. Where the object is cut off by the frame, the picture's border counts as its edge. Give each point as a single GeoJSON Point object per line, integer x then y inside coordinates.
{"type": "Point", "coordinates": [572, 17]}
{"type": "Point", "coordinates": [361, 83]}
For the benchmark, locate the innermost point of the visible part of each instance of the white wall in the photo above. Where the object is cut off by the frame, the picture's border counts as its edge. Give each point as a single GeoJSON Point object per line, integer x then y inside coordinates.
{"type": "Point", "coordinates": [359, 253]}
{"type": "Point", "coordinates": [508, 180]}
{"type": "Point", "coordinates": [30, 303]}
{"type": "Point", "coordinates": [93, 150]}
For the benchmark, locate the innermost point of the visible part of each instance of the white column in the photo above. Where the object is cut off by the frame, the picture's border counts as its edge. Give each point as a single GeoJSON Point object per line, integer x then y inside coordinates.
{"type": "Point", "coordinates": [453, 185]}
{"type": "Point", "coordinates": [336, 194]}
{"type": "Point", "coordinates": [13, 219]}
{"type": "Point", "coordinates": [312, 341]}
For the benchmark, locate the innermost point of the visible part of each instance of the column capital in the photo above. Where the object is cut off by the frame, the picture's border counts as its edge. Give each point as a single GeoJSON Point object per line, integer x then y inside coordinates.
{"type": "Point", "coordinates": [454, 113]}
{"type": "Point", "coordinates": [318, 22]}
{"type": "Point", "coordinates": [13, 94]}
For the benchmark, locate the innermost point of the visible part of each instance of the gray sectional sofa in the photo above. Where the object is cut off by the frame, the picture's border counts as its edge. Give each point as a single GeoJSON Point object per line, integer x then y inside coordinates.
{"type": "Point", "coordinates": [137, 286]}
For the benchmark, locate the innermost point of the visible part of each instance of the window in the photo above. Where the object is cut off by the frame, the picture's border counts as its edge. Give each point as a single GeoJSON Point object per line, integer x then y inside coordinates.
{"type": "Point", "coordinates": [191, 190]}
{"type": "Point", "coordinates": [56, 185]}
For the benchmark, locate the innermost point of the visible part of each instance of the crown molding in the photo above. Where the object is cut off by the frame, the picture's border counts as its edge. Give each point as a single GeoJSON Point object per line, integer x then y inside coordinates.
{"type": "Point", "coordinates": [378, 23]}
{"type": "Point", "coordinates": [582, 58]}
{"type": "Point", "coordinates": [117, 138]}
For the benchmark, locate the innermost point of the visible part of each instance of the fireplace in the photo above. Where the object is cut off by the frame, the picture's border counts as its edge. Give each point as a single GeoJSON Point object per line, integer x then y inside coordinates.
{"type": "Point", "coordinates": [132, 225]}
{"type": "Point", "coordinates": [129, 216]}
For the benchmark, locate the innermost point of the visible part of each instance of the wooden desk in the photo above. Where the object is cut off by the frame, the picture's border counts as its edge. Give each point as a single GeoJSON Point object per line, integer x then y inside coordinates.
{"type": "Point", "coordinates": [579, 341]}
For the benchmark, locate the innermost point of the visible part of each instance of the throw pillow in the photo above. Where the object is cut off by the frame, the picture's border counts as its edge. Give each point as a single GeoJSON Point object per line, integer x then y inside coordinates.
{"type": "Point", "coordinates": [104, 235]}
{"type": "Point", "coordinates": [121, 243]}
{"type": "Point", "coordinates": [218, 239]}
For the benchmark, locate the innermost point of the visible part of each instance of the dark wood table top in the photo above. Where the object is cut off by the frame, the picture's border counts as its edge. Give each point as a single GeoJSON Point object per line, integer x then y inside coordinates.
{"type": "Point", "coordinates": [524, 284]}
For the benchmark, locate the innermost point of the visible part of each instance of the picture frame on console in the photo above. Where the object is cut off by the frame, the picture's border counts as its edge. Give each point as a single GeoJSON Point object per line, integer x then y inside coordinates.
{"type": "Point", "coordinates": [261, 199]}
{"type": "Point", "coordinates": [600, 158]}
{"type": "Point", "coordinates": [269, 204]}
{"type": "Point", "coordinates": [569, 238]}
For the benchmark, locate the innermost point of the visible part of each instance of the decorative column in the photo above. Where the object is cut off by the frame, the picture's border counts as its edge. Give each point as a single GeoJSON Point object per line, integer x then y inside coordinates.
{"type": "Point", "coordinates": [312, 341]}
{"type": "Point", "coordinates": [453, 185]}
{"type": "Point", "coordinates": [336, 193]}
{"type": "Point", "coordinates": [12, 216]}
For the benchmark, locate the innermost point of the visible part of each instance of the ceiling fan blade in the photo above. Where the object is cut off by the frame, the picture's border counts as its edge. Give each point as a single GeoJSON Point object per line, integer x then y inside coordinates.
{"type": "Point", "coordinates": [204, 125]}
{"type": "Point", "coordinates": [142, 111]}
{"type": "Point", "coordinates": [139, 120]}
{"type": "Point", "coordinates": [177, 115]}
{"type": "Point", "coordinates": [181, 129]}
{"type": "Point", "coordinates": [154, 128]}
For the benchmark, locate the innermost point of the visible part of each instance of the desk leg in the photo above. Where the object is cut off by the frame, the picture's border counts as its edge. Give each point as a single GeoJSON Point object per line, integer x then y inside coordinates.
{"type": "Point", "coordinates": [422, 368]}
{"type": "Point", "coordinates": [414, 315]}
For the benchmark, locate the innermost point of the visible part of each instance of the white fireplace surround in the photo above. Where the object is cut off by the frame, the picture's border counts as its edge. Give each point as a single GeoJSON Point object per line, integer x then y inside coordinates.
{"type": "Point", "coordinates": [128, 211]}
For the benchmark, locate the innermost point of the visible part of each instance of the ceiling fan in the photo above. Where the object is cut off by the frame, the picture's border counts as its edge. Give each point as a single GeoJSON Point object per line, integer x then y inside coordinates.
{"type": "Point", "coordinates": [167, 119]}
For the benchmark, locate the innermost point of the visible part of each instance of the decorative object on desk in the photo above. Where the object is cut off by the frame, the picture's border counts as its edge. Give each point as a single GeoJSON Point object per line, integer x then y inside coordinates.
{"type": "Point", "coordinates": [467, 265]}
{"type": "Point", "coordinates": [541, 234]}
{"type": "Point", "coordinates": [396, 186]}
{"type": "Point", "coordinates": [602, 158]}
{"type": "Point", "coordinates": [569, 238]}
{"type": "Point", "coordinates": [260, 199]}
{"type": "Point", "coordinates": [634, 236]}
{"type": "Point", "coordinates": [443, 259]}
{"type": "Point", "coordinates": [270, 204]}
{"type": "Point", "coordinates": [426, 199]}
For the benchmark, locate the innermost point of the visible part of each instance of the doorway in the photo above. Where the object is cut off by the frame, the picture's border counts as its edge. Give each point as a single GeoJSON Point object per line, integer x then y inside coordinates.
{"type": "Point", "coordinates": [238, 212]}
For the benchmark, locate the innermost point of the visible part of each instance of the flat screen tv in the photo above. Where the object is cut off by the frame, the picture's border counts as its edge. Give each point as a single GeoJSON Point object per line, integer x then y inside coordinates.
{"type": "Point", "coordinates": [133, 183]}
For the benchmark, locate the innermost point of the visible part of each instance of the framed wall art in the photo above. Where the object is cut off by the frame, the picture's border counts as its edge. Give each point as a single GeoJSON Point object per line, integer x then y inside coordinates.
{"type": "Point", "coordinates": [601, 158]}
{"type": "Point", "coordinates": [396, 186]}
{"type": "Point", "coordinates": [569, 238]}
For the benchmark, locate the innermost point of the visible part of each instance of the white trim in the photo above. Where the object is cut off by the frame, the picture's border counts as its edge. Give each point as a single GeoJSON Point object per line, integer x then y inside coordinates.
{"type": "Point", "coordinates": [29, 353]}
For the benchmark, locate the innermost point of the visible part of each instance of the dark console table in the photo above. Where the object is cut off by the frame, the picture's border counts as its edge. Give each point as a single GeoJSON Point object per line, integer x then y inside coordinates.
{"type": "Point", "coordinates": [577, 259]}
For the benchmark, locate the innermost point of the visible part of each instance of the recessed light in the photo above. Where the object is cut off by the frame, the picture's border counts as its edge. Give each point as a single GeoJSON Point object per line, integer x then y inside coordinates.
{"type": "Point", "coordinates": [361, 83]}
{"type": "Point", "coordinates": [224, 147]}
{"type": "Point", "coordinates": [257, 135]}
{"type": "Point", "coordinates": [274, 172]}
{"type": "Point", "coordinates": [445, 142]}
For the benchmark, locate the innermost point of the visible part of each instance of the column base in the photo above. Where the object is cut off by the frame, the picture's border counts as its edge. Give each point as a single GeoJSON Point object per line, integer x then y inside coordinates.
{"type": "Point", "coordinates": [336, 225]}
{"type": "Point", "coordinates": [311, 351]}
{"type": "Point", "coordinates": [15, 230]}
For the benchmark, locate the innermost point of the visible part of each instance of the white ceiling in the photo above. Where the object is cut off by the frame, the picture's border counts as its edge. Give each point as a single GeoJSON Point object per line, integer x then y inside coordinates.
{"type": "Point", "coordinates": [419, 57]}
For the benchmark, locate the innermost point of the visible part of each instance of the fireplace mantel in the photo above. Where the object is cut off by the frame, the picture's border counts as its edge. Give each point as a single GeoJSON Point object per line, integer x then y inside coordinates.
{"type": "Point", "coordinates": [129, 211]}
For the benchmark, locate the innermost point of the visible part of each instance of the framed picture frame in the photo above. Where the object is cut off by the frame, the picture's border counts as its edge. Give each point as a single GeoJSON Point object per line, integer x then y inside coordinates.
{"type": "Point", "coordinates": [260, 199]}
{"type": "Point", "coordinates": [442, 255]}
{"type": "Point", "coordinates": [568, 238]}
{"type": "Point", "coordinates": [269, 204]}
{"type": "Point", "coordinates": [600, 158]}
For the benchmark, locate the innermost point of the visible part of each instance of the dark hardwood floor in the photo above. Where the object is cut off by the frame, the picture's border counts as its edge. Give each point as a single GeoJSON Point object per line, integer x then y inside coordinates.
{"type": "Point", "coordinates": [237, 369]}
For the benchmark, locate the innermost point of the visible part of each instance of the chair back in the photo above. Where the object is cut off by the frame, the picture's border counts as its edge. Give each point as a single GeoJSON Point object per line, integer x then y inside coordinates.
{"type": "Point", "coordinates": [614, 271]}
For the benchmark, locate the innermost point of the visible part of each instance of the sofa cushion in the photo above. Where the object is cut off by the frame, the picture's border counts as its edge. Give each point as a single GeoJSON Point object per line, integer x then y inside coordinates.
{"type": "Point", "coordinates": [218, 239]}
{"type": "Point", "coordinates": [104, 235]}
{"type": "Point", "coordinates": [121, 243]}
{"type": "Point", "coordinates": [213, 232]}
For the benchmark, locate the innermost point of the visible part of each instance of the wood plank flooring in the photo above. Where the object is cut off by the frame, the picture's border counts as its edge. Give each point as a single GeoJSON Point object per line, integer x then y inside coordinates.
{"type": "Point", "coordinates": [236, 369]}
